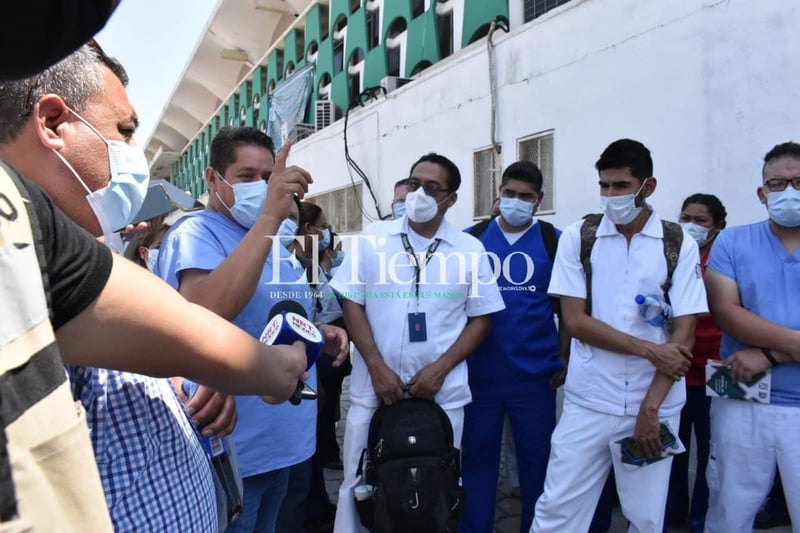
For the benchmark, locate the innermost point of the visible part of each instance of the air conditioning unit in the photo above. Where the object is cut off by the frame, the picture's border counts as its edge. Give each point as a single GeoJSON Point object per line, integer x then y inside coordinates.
{"type": "Point", "coordinates": [324, 112]}
{"type": "Point", "coordinates": [390, 83]}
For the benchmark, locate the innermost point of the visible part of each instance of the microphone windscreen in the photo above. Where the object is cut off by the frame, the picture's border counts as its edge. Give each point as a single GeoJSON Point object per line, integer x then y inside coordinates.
{"type": "Point", "coordinates": [288, 306]}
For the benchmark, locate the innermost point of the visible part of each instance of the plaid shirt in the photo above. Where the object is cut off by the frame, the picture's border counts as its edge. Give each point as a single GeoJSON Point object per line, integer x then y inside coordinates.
{"type": "Point", "coordinates": [155, 474]}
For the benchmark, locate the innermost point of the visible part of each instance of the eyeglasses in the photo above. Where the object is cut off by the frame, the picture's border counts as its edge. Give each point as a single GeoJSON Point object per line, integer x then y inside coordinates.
{"type": "Point", "coordinates": [431, 188]}
{"type": "Point", "coordinates": [29, 101]}
{"type": "Point", "coordinates": [779, 184]}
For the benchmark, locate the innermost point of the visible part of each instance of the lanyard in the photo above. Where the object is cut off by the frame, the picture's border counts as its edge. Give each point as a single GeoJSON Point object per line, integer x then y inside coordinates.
{"type": "Point", "coordinates": [417, 267]}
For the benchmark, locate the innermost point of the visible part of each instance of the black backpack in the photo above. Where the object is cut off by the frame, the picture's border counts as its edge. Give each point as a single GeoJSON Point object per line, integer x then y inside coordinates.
{"type": "Point", "coordinates": [414, 468]}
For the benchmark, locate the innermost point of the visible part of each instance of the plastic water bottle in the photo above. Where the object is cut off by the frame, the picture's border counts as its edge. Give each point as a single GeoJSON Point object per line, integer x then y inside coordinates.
{"type": "Point", "coordinates": [654, 309]}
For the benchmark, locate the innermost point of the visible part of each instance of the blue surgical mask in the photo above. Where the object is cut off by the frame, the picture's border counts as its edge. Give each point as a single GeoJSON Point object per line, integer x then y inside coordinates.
{"type": "Point", "coordinates": [622, 210]}
{"type": "Point", "coordinates": [399, 209]}
{"type": "Point", "coordinates": [516, 212]}
{"type": "Point", "coordinates": [336, 262]}
{"type": "Point", "coordinates": [287, 231]}
{"type": "Point", "coordinates": [698, 233]}
{"type": "Point", "coordinates": [152, 259]}
{"type": "Point", "coordinates": [784, 207]}
{"type": "Point", "coordinates": [325, 241]}
{"type": "Point", "coordinates": [248, 200]}
{"type": "Point", "coordinates": [116, 204]}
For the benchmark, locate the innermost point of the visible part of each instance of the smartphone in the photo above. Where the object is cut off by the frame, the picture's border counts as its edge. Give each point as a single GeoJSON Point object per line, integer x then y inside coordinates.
{"type": "Point", "coordinates": [156, 203]}
{"type": "Point", "coordinates": [631, 454]}
{"type": "Point", "coordinates": [179, 199]}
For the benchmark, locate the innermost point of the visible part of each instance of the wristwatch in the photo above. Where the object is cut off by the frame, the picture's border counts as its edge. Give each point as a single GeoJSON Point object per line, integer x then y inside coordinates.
{"type": "Point", "coordinates": [768, 354]}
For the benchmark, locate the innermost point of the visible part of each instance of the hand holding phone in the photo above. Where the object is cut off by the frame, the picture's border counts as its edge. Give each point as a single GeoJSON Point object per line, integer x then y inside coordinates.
{"type": "Point", "coordinates": [632, 454]}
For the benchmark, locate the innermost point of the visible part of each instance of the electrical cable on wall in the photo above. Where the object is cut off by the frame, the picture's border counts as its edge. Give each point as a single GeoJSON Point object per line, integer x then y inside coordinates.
{"type": "Point", "coordinates": [496, 23]}
{"type": "Point", "coordinates": [363, 97]}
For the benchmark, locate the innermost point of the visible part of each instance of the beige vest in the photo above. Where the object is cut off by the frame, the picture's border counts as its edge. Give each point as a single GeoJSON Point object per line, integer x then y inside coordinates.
{"type": "Point", "coordinates": [56, 483]}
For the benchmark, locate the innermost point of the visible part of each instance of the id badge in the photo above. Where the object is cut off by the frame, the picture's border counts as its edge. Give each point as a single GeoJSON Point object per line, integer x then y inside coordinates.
{"type": "Point", "coordinates": [417, 330]}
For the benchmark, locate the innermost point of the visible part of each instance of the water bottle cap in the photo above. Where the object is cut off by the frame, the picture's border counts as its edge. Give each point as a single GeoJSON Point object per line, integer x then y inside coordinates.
{"type": "Point", "coordinates": [640, 299]}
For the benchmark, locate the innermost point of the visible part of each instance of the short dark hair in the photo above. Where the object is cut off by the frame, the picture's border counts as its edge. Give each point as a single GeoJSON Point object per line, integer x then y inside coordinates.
{"type": "Point", "coordinates": [401, 183]}
{"type": "Point", "coordinates": [309, 212]}
{"type": "Point", "coordinates": [451, 170]}
{"type": "Point", "coordinates": [76, 79]}
{"type": "Point", "coordinates": [523, 171]}
{"type": "Point", "coordinates": [787, 149]}
{"type": "Point", "coordinates": [229, 139]}
{"type": "Point", "coordinates": [627, 153]}
{"type": "Point", "coordinates": [714, 205]}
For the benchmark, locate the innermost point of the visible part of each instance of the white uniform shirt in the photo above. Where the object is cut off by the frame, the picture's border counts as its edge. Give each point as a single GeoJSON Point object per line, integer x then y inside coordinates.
{"type": "Point", "coordinates": [457, 282]}
{"type": "Point", "coordinates": [606, 381]}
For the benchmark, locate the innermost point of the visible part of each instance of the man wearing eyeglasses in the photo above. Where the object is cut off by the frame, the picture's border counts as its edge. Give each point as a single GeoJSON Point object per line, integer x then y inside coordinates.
{"type": "Point", "coordinates": [418, 298]}
{"type": "Point", "coordinates": [753, 283]}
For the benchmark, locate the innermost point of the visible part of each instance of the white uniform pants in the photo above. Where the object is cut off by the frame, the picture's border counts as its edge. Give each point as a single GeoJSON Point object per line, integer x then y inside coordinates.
{"type": "Point", "coordinates": [355, 440]}
{"type": "Point", "coordinates": [580, 460]}
{"type": "Point", "coordinates": [747, 440]}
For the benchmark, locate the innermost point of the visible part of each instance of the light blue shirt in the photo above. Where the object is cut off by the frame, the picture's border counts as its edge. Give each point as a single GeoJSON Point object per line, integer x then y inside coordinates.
{"type": "Point", "coordinates": [267, 437]}
{"type": "Point", "coordinates": [769, 286]}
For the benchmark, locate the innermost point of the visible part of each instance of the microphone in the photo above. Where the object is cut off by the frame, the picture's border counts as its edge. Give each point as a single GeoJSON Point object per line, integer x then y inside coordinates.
{"type": "Point", "coordinates": [288, 323]}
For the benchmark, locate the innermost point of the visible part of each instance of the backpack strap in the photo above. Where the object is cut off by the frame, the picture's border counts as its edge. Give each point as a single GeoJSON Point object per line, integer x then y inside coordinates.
{"type": "Point", "coordinates": [549, 238]}
{"type": "Point", "coordinates": [673, 239]}
{"type": "Point", "coordinates": [478, 229]}
{"type": "Point", "coordinates": [548, 234]}
{"type": "Point", "coordinates": [588, 238]}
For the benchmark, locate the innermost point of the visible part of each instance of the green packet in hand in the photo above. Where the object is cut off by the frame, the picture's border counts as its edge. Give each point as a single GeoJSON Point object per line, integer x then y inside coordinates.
{"type": "Point", "coordinates": [719, 383]}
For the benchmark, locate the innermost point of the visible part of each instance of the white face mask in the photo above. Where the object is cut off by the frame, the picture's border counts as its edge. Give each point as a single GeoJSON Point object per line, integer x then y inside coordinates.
{"type": "Point", "coordinates": [784, 207]}
{"type": "Point", "coordinates": [420, 207]}
{"type": "Point", "coordinates": [621, 210]}
{"type": "Point", "coordinates": [248, 200]}
{"type": "Point", "coordinates": [698, 233]}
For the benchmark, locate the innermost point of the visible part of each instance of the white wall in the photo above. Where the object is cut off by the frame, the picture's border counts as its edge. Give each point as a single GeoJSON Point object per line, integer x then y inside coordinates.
{"type": "Point", "coordinates": [708, 85]}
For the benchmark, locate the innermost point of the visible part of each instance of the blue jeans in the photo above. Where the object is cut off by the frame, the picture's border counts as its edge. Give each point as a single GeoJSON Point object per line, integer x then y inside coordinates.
{"type": "Point", "coordinates": [531, 410]}
{"type": "Point", "coordinates": [262, 498]}
{"type": "Point", "coordinates": [292, 514]}
{"type": "Point", "coordinates": [694, 414]}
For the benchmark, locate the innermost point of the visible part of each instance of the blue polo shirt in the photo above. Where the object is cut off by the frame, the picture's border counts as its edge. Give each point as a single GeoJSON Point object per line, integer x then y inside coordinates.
{"type": "Point", "coordinates": [769, 286]}
{"type": "Point", "coordinates": [267, 437]}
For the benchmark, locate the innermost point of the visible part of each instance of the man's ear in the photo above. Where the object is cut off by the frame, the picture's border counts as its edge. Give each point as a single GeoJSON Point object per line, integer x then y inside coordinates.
{"type": "Point", "coordinates": [452, 200]}
{"type": "Point", "coordinates": [762, 196]}
{"type": "Point", "coordinates": [211, 178]}
{"type": "Point", "coordinates": [50, 116]}
{"type": "Point", "coordinates": [649, 186]}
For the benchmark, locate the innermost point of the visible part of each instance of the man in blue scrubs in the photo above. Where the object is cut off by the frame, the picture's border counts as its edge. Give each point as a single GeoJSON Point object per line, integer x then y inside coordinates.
{"type": "Point", "coordinates": [510, 373]}
{"type": "Point", "coordinates": [753, 281]}
{"type": "Point", "coordinates": [229, 259]}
